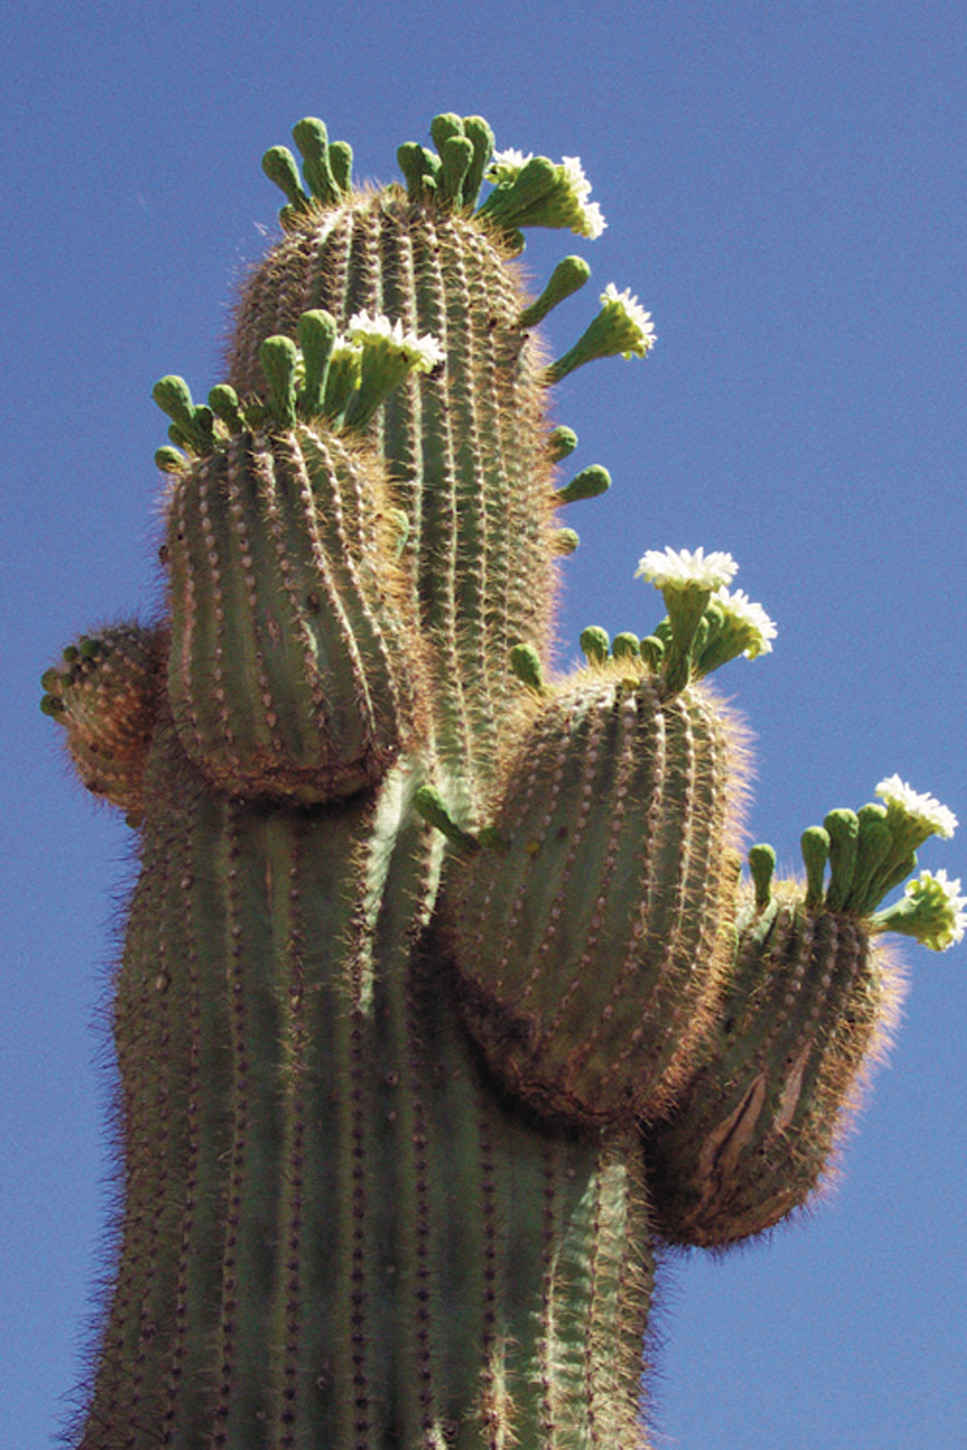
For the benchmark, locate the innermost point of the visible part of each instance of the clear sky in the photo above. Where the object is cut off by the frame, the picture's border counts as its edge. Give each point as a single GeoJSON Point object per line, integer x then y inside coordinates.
{"type": "Point", "coordinates": [785, 190]}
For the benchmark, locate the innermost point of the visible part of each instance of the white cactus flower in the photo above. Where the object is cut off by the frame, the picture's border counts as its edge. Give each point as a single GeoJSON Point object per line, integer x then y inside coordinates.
{"type": "Point", "coordinates": [749, 618]}
{"type": "Point", "coordinates": [506, 165]}
{"type": "Point", "coordinates": [589, 220]}
{"type": "Point", "coordinates": [422, 353]}
{"type": "Point", "coordinates": [940, 900]}
{"type": "Point", "coordinates": [641, 327]}
{"type": "Point", "coordinates": [682, 569]}
{"type": "Point", "coordinates": [923, 809]}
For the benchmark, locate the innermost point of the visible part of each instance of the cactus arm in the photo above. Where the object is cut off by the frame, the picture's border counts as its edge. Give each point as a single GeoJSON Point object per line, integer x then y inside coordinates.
{"type": "Point", "coordinates": [812, 1000]}
{"type": "Point", "coordinates": [104, 692]}
{"type": "Point", "coordinates": [294, 669]}
{"type": "Point", "coordinates": [592, 942]}
{"type": "Point", "coordinates": [810, 1006]}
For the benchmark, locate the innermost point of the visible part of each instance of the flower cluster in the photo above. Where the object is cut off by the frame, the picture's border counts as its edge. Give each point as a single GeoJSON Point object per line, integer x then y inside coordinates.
{"type": "Point", "coordinates": [746, 621]}
{"type": "Point", "coordinates": [531, 191]}
{"type": "Point", "coordinates": [421, 354]}
{"type": "Point", "coordinates": [932, 910]}
{"type": "Point", "coordinates": [707, 625]}
{"type": "Point", "coordinates": [923, 811]}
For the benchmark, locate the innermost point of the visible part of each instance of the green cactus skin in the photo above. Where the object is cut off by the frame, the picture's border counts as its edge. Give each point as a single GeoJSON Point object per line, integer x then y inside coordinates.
{"type": "Point", "coordinates": [467, 447]}
{"type": "Point", "coordinates": [433, 1002]}
{"type": "Point", "coordinates": [335, 1233]}
{"type": "Point", "coordinates": [283, 572]}
{"type": "Point", "coordinates": [593, 946]}
{"type": "Point", "coordinates": [811, 1001]}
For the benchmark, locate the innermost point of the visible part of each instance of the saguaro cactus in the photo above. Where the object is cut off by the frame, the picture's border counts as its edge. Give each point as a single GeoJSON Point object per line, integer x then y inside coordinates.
{"type": "Point", "coordinates": [441, 1000]}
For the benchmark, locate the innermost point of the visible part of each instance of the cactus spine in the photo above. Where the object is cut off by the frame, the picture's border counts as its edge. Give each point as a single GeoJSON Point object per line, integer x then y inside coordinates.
{"type": "Point", "coordinates": [439, 1000]}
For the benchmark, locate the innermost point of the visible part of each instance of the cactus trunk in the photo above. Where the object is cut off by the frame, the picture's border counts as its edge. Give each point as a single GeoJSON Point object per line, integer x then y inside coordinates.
{"type": "Point", "coordinates": [335, 1232]}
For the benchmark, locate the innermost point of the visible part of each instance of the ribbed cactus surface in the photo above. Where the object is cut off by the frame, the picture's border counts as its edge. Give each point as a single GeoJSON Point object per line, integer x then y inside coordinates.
{"type": "Point", "coordinates": [283, 573]}
{"type": "Point", "coordinates": [335, 1232]}
{"type": "Point", "coordinates": [593, 946]}
{"type": "Point", "coordinates": [466, 446]}
{"type": "Point", "coordinates": [440, 1002]}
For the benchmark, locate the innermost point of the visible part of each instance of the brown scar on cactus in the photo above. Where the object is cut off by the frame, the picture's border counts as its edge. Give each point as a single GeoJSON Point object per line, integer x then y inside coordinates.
{"type": "Point", "coordinates": [441, 1002]}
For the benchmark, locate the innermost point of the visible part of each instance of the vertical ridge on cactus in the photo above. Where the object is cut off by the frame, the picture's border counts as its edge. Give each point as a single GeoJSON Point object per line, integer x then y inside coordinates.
{"type": "Point", "coordinates": [440, 1003]}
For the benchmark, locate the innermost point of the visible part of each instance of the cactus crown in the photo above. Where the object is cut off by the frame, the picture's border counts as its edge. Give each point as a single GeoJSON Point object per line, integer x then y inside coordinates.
{"type": "Point", "coordinates": [340, 379]}
{"type": "Point", "coordinates": [868, 854]}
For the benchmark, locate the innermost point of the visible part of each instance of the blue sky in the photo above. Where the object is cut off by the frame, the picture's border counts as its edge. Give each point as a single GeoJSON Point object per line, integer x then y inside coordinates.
{"type": "Point", "coordinates": [785, 191]}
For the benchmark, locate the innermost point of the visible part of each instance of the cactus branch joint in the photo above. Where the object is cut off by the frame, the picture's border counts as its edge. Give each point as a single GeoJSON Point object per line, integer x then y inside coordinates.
{"type": "Point", "coordinates": [443, 998]}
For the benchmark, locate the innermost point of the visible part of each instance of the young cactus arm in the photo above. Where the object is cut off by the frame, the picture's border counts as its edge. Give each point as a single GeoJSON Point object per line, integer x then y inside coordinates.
{"type": "Point", "coordinates": [811, 1003]}
{"type": "Point", "coordinates": [104, 691]}
{"type": "Point", "coordinates": [592, 945]}
{"type": "Point", "coordinates": [295, 669]}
